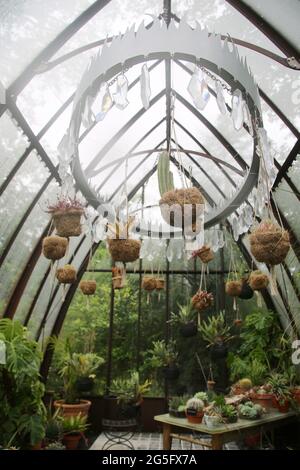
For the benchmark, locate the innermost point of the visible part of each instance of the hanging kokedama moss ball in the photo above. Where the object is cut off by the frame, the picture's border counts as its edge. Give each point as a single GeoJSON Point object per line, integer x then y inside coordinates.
{"type": "Point", "coordinates": [54, 247]}
{"type": "Point", "coordinates": [233, 288]}
{"type": "Point", "coordinates": [246, 291]}
{"type": "Point", "coordinates": [124, 250]}
{"type": "Point", "coordinates": [202, 300]}
{"type": "Point", "coordinates": [179, 198]}
{"type": "Point", "coordinates": [205, 254]}
{"type": "Point", "coordinates": [258, 280]}
{"type": "Point", "coordinates": [269, 243]}
{"type": "Point", "coordinates": [160, 283]}
{"type": "Point", "coordinates": [67, 274]}
{"type": "Point", "coordinates": [68, 223]}
{"type": "Point", "coordinates": [149, 283]}
{"type": "Point", "coordinates": [88, 287]}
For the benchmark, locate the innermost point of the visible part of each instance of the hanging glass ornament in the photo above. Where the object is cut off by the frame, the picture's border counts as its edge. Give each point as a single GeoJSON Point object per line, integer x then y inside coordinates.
{"type": "Point", "coordinates": [220, 98]}
{"type": "Point", "coordinates": [248, 215]}
{"type": "Point", "coordinates": [170, 251]}
{"type": "Point", "coordinates": [145, 86]}
{"type": "Point", "coordinates": [265, 149]}
{"type": "Point", "coordinates": [198, 89]}
{"type": "Point", "coordinates": [221, 239]}
{"type": "Point", "coordinates": [88, 115]}
{"type": "Point", "coordinates": [247, 118]}
{"type": "Point", "coordinates": [120, 97]}
{"type": "Point", "coordinates": [237, 105]}
{"type": "Point", "coordinates": [235, 228]}
{"type": "Point", "coordinates": [99, 229]}
{"type": "Point", "coordinates": [214, 241]}
{"type": "Point", "coordinates": [105, 101]}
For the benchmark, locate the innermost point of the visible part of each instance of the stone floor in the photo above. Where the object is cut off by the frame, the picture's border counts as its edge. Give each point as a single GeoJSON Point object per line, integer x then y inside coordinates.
{"type": "Point", "coordinates": [153, 441]}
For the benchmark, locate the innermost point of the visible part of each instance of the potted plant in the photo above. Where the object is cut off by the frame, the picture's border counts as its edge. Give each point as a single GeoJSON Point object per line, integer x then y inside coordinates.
{"type": "Point", "coordinates": [234, 284]}
{"type": "Point", "coordinates": [56, 445]}
{"type": "Point", "coordinates": [217, 334]}
{"type": "Point", "coordinates": [54, 247]}
{"type": "Point", "coordinates": [202, 300]}
{"type": "Point", "coordinates": [129, 394]}
{"type": "Point", "coordinates": [246, 289]}
{"type": "Point", "coordinates": [263, 396]}
{"type": "Point", "coordinates": [242, 386]}
{"type": "Point", "coordinates": [258, 280]}
{"type": "Point", "coordinates": [66, 216]}
{"type": "Point", "coordinates": [194, 410]}
{"type": "Point", "coordinates": [250, 410]}
{"type": "Point", "coordinates": [73, 429]}
{"type": "Point", "coordinates": [205, 253]}
{"type": "Point", "coordinates": [185, 318]}
{"type": "Point", "coordinates": [281, 392]}
{"type": "Point", "coordinates": [164, 356]}
{"type": "Point", "coordinates": [76, 371]}
{"type": "Point", "coordinates": [212, 418]}
{"type": "Point", "coordinates": [149, 283]}
{"type": "Point", "coordinates": [122, 248]}
{"type": "Point", "coordinates": [177, 406]}
{"type": "Point", "coordinates": [202, 396]}
{"type": "Point", "coordinates": [22, 411]}
{"type": "Point", "coordinates": [220, 412]}
{"type": "Point", "coordinates": [54, 430]}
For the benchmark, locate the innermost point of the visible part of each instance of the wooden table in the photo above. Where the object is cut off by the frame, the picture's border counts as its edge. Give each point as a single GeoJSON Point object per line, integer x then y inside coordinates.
{"type": "Point", "coordinates": [221, 434]}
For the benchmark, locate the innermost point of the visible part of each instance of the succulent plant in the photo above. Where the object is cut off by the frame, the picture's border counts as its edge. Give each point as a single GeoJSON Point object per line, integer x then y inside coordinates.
{"type": "Point", "coordinates": [249, 410]}
{"type": "Point", "coordinates": [195, 404]}
{"type": "Point", "coordinates": [202, 396]}
{"type": "Point", "coordinates": [245, 384]}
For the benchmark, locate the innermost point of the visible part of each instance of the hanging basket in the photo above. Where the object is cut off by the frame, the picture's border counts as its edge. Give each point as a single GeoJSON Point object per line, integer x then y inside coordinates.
{"type": "Point", "coordinates": [269, 243]}
{"type": "Point", "coordinates": [246, 291]}
{"type": "Point", "coordinates": [117, 277]}
{"type": "Point", "coordinates": [233, 288]}
{"type": "Point", "coordinates": [124, 250]}
{"type": "Point", "coordinates": [205, 254]}
{"type": "Point", "coordinates": [149, 283]}
{"type": "Point", "coordinates": [258, 280]}
{"type": "Point", "coordinates": [67, 274]}
{"type": "Point", "coordinates": [202, 300]}
{"type": "Point", "coordinates": [88, 287]}
{"type": "Point", "coordinates": [178, 198]}
{"type": "Point", "coordinates": [160, 283]}
{"type": "Point", "coordinates": [67, 223]}
{"type": "Point", "coordinates": [54, 247]}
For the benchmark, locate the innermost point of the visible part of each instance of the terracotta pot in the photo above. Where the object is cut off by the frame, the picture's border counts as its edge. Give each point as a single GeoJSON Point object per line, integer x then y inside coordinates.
{"type": "Point", "coordinates": [282, 407]}
{"type": "Point", "coordinates": [71, 441]}
{"type": "Point", "coordinates": [296, 395]}
{"type": "Point", "coordinates": [73, 409]}
{"type": "Point", "coordinates": [263, 399]}
{"type": "Point", "coordinates": [194, 418]}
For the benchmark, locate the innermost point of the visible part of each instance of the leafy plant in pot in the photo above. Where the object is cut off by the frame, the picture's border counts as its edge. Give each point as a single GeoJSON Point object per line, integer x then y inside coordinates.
{"type": "Point", "coordinates": [129, 394]}
{"type": "Point", "coordinates": [281, 392]}
{"type": "Point", "coordinates": [66, 214]}
{"type": "Point", "coordinates": [22, 411]}
{"type": "Point", "coordinates": [263, 396]}
{"type": "Point", "coordinates": [185, 318]}
{"type": "Point", "coordinates": [194, 410]}
{"type": "Point", "coordinates": [250, 410]}
{"type": "Point", "coordinates": [177, 406]}
{"type": "Point", "coordinates": [164, 356]}
{"type": "Point", "coordinates": [217, 334]}
{"type": "Point", "coordinates": [73, 430]}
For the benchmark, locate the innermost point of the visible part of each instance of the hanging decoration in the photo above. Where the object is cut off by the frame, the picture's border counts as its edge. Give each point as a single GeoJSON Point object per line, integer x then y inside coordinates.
{"type": "Point", "coordinates": [198, 89]}
{"type": "Point", "coordinates": [269, 243]}
{"type": "Point", "coordinates": [202, 300]}
{"type": "Point", "coordinates": [237, 109]}
{"type": "Point", "coordinates": [145, 86]}
{"type": "Point", "coordinates": [258, 280]}
{"type": "Point", "coordinates": [122, 248]}
{"type": "Point", "coordinates": [118, 277]}
{"type": "Point", "coordinates": [103, 102]}
{"type": "Point", "coordinates": [120, 97]}
{"type": "Point", "coordinates": [220, 98]}
{"type": "Point", "coordinates": [54, 247]}
{"type": "Point", "coordinates": [88, 287]}
{"type": "Point", "coordinates": [66, 274]}
{"type": "Point", "coordinates": [246, 290]}
{"type": "Point", "coordinates": [205, 254]}
{"type": "Point", "coordinates": [66, 216]}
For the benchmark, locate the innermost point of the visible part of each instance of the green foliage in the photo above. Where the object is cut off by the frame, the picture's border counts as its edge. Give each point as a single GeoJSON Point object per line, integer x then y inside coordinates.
{"type": "Point", "coordinates": [249, 367]}
{"type": "Point", "coordinates": [165, 177]}
{"type": "Point", "coordinates": [185, 314]}
{"type": "Point", "coordinates": [163, 354]}
{"type": "Point", "coordinates": [195, 404]}
{"type": "Point", "coordinates": [177, 403]}
{"type": "Point", "coordinates": [227, 412]}
{"type": "Point", "coordinates": [74, 424]}
{"type": "Point", "coordinates": [215, 329]}
{"type": "Point", "coordinates": [129, 390]}
{"type": "Point", "coordinates": [202, 396]}
{"type": "Point", "coordinates": [280, 387]}
{"type": "Point", "coordinates": [249, 410]}
{"type": "Point", "coordinates": [22, 412]}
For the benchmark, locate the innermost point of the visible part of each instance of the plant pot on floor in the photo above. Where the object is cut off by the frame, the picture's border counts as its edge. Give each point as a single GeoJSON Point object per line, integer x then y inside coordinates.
{"type": "Point", "coordinates": [71, 441]}
{"type": "Point", "coordinates": [75, 409]}
{"type": "Point", "coordinates": [170, 372]}
{"type": "Point", "coordinates": [188, 329]}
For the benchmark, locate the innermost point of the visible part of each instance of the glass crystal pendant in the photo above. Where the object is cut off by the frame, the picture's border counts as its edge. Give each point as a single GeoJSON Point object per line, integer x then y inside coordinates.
{"type": "Point", "coordinates": [88, 115]}
{"type": "Point", "coordinates": [103, 102]}
{"type": "Point", "coordinates": [220, 98]}
{"type": "Point", "coordinates": [237, 113]}
{"type": "Point", "coordinates": [120, 97]}
{"type": "Point", "coordinates": [247, 118]}
{"type": "Point", "coordinates": [145, 86]}
{"type": "Point", "coordinates": [198, 89]}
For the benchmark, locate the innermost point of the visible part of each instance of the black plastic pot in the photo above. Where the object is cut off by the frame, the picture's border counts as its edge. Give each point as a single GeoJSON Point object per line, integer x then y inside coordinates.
{"type": "Point", "coordinates": [218, 351]}
{"type": "Point", "coordinates": [188, 329]}
{"type": "Point", "coordinates": [246, 292]}
{"type": "Point", "coordinates": [84, 384]}
{"type": "Point", "coordinates": [176, 413]}
{"type": "Point", "coordinates": [170, 372]}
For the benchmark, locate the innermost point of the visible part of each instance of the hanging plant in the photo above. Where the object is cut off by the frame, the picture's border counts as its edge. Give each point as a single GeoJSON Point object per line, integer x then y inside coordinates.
{"type": "Point", "coordinates": [233, 287]}
{"type": "Point", "coordinates": [149, 283]}
{"type": "Point", "coordinates": [202, 300]}
{"type": "Point", "coordinates": [205, 254]}
{"type": "Point", "coordinates": [177, 198]}
{"type": "Point", "coordinates": [258, 280]}
{"type": "Point", "coordinates": [246, 290]}
{"type": "Point", "coordinates": [269, 243]}
{"type": "Point", "coordinates": [66, 215]}
{"type": "Point", "coordinates": [121, 247]}
{"type": "Point", "coordinates": [159, 283]}
{"type": "Point", "coordinates": [88, 287]}
{"type": "Point", "coordinates": [66, 274]}
{"type": "Point", "coordinates": [54, 247]}
{"type": "Point", "coordinates": [118, 277]}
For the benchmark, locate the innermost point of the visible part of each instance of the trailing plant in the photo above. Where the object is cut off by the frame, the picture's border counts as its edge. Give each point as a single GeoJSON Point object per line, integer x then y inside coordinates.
{"type": "Point", "coordinates": [22, 412]}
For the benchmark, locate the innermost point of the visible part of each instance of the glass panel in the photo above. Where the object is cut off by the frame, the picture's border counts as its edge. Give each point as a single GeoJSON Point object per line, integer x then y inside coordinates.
{"type": "Point", "coordinates": [288, 203]}
{"type": "Point", "coordinates": [12, 145]}
{"type": "Point", "coordinates": [18, 196]}
{"type": "Point", "coordinates": [294, 173]}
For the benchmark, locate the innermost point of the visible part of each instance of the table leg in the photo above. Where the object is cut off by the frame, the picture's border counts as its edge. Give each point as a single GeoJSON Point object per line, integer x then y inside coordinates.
{"type": "Point", "coordinates": [217, 442]}
{"type": "Point", "coordinates": [167, 439]}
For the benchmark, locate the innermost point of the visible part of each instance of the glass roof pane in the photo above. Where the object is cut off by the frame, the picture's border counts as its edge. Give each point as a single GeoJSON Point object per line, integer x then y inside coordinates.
{"type": "Point", "coordinates": [294, 173]}
{"type": "Point", "coordinates": [18, 196]}
{"type": "Point", "coordinates": [288, 203]}
{"type": "Point", "coordinates": [12, 145]}
{"type": "Point", "coordinates": [21, 34]}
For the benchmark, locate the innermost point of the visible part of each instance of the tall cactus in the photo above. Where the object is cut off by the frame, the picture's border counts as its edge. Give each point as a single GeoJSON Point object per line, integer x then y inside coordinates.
{"type": "Point", "coordinates": [165, 176]}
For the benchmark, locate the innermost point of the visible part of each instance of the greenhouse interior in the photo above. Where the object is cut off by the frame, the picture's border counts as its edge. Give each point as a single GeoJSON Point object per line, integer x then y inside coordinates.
{"type": "Point", "coordinates": [149, 240]}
